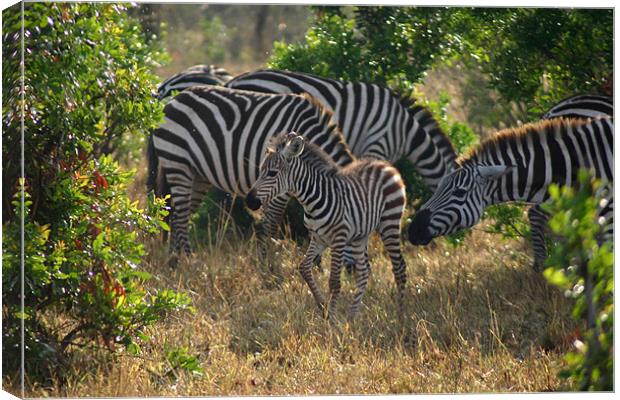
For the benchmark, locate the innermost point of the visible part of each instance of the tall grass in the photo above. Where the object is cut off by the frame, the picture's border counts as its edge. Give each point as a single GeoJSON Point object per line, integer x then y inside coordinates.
{"type": "Point", "coordinates": [477, 319]}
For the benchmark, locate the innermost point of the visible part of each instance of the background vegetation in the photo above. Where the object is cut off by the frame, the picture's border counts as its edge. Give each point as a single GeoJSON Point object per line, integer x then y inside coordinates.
{"type": "Point", "coordinates": [87, 94]}
{"type": "Point", "coordinates": [478, 318]}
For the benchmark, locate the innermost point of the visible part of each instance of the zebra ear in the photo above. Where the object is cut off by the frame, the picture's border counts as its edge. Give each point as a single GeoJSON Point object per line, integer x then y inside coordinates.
{"type": "Point", "coordinates": [494, 171]}
{"type": "Point", "coordinates": [293, 147]}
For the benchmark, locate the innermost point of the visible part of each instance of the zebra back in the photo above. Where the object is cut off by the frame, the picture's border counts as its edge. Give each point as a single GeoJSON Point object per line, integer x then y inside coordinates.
{"type": "Point", "coordinates": [193, 76]}
{"type": "Point", "coordinates": [546, 152]}
{"type": "Point", "coordinates": [582, 106]}
{"type": "Point", "coordinates": [375, 120]}
{"type": "Point", "coordinates": [220, 135]}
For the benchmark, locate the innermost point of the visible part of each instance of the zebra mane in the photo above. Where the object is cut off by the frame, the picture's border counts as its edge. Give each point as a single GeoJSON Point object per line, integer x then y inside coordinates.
{"type": "Point", "coordinates": [405, 97]}
{"type": "Point", "coordinates": [312, 154]}
{"type": "Point", "coordinates": [500, 138]}
{"type": "Point", "coordinates": [327, 116]}
{"type": "Point", "coordinates": [324, 112]}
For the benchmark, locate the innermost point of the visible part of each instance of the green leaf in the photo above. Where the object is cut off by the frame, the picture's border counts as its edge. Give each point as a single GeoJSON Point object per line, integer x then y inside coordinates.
{"type": "Point", "coordinates": [133, 349]}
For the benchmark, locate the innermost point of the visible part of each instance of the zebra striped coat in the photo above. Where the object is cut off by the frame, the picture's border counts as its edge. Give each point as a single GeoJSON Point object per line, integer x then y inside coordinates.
{"type": "Point", "coordinates": [375, 121]}
{"type": "Point", "coordinates": [342, 205]}
{"type": "Point", "coordinates": [215, 136]}
{"type": "Point", "coordinates": [193, 76]}
{"type": "Point", "coordinates": [516, 165]}
{"type": "Point", "coordinates": [582, 106]}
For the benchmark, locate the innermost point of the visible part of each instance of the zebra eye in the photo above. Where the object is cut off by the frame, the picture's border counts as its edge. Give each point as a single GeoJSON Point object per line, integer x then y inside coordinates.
{"type": "Point", "coordinates": [271, 173]}
{"type": "Point", "coordinates": [459, 192]}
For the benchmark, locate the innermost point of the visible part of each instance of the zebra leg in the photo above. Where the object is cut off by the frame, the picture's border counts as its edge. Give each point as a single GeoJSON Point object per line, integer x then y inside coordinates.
{"type": "Point", "coordinates": [273, 214]}
{"type": "Point", "coordinates": [362, 267]}
{"type": "Point", "coordinates": [180, 194]}
{"type": "Point", "coordinates": [390, 235]}
{"type": "Point", "coordinates": [315, 250]}
{"type": "Point", "coordinates": [199, 189]}
{"type": "Point", "coordinates": [338, 249]}
{"type": "Point", "coordinates": [349, 259]}
{"type": "Point", "coordinates": [272, 217]}
{"type": "Point", "coordinates": [538, 224]}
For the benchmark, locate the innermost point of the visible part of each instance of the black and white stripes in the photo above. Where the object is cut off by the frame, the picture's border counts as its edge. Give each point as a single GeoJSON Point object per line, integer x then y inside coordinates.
{"type": "Point", "coordinates": [193, 76]}
{"type": "Point", "coordinates": [342, 206]}
{"type": "Point", "coordinates": [217, 137]}
{"type": "Point", "coordinates": [375, 121]}
{"type": "Point", "coordinates": [516, 165]}
{"type": "Point", "coordinates": [582, 106]}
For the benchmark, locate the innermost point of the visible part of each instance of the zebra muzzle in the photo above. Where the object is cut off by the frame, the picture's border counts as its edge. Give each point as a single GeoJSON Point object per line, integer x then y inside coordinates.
{"type": "Point", "coordinates": [418, 231]}
{"type": "Point", "coordinates": [252, 201]}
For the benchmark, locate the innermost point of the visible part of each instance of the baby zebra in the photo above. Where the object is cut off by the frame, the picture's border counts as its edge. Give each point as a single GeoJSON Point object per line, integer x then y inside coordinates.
{"type": "Point", "coordinates": [342, 205]}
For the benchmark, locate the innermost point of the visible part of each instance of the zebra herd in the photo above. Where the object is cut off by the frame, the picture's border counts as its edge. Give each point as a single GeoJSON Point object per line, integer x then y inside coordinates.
{"type": "Point", "coordinates": [270, 135]}
{"type": "Point", "coordinates": [217, 137]}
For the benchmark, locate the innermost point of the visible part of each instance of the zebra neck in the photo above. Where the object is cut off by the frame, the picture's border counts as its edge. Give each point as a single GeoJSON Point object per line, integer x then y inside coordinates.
{"type": "Point", "coordinates": [314, 189]}
{"type": "Point", "coordinates": [533, 169]}
{"type": "Point", "coordinates": [428, 148]}
{"type": "Point", "coordinates": [330, 137]}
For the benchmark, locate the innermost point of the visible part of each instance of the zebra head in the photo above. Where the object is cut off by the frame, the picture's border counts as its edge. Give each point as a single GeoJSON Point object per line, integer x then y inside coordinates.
{"type": "Point", "coordinates": [458, 202]}
{"type": "Point", "coordinates": [273, 178]}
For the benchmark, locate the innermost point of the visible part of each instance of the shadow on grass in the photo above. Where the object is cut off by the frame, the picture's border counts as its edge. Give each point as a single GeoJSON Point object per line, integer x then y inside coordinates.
{"type": "Point", "coordinates": [489, 307]}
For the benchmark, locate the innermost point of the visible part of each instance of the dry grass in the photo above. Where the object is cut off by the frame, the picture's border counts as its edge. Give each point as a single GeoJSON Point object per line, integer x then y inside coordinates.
{"type": "Point", "coordinates": [477, 320]}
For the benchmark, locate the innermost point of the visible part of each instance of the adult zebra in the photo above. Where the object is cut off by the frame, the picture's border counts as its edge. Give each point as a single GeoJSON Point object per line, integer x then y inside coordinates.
{"type": "Point", "coordinates": [342, 206]}
{"type": "Point", "coordinates": [213, 136]}
{"type": "Point", "coordinates": [582, 106]}
{"type": "Point", "coordinates": [375, 121]}
{"type": "Point", "coordinates": [193, 76]}
{"type": "Point", "coordinates": [517, 165]}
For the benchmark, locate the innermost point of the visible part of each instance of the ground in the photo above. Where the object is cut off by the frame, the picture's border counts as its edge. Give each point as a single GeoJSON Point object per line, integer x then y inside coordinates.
{"type": "Point", "coordinates": [477, 319]}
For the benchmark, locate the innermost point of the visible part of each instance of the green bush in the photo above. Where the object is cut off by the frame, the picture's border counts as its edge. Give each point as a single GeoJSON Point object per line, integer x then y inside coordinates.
{"type": "Point", "coordinates": [87, 94]}
{"type": "Point", "coordinates": [532, 56]}
{"type": "Point", "coordinates": [583, 265]}
{"type": "Point", "coordinates": [386, 45]}
{"type": "Point", "coordinates": [537, 56]}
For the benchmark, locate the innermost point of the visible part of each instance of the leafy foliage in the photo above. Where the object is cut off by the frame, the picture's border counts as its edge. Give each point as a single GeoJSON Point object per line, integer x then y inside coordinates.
{"type": "Point", "coordinates": [179, 358]}
{"type": "Point", "coordinates": [582, 265]}
{"type": "Point", "coordinates": [534, 56]}
{"type": "Point", "coordinates": [539, 55]}
{"type": "Point", "coordinates": [508, 220]}
{"type": "Point", "coordinates": [387, 45]}
{"type": "Point", "coordinates": [87, 93]}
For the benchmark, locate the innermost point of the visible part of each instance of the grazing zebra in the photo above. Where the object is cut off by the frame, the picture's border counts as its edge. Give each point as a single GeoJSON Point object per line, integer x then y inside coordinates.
{"type": "Point", "coordinates": [375, 121]}
{"type": "Point", "coordinates": [516, 165]}
{"type": "Point", "coordinates": [193, 76]}
{"type": "Point", "coordinates": [342, 206]}
{"type": "Point", "coordinates": [213, 136]}
{"type": "Point", "coordinates": [582, 106]}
